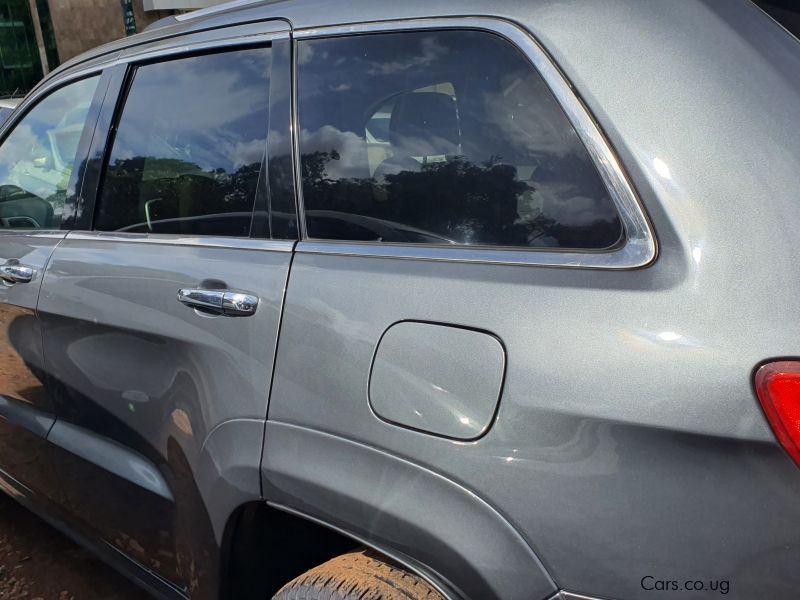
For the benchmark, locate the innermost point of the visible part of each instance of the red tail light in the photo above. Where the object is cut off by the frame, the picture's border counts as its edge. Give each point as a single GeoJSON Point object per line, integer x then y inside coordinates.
{"type": "Point", "coordinates": [778, 390]}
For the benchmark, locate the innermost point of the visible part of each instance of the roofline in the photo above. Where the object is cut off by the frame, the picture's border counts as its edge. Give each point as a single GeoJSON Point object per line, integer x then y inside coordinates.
{"type": "Point", "coordinates": [248, 11]}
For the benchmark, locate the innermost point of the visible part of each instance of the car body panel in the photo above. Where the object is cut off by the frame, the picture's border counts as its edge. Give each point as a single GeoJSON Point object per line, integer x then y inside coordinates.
{"type": "Point", "coordinates": [398, 505]}
{"type": "Point", "coordinates": [437, 379]}
{"type": "Point", "coordinates": [26, 411]}
{"type": "Point", "coordinates": [601, 453]}
{"type": "Point", "coordinates": [627, 431]}
{"type": "Point", "coordinates": [109, 303]}
{"type": "Point", "coordinates": [627, 442]}
{"type": "Point", "coordinates": [161, 407]}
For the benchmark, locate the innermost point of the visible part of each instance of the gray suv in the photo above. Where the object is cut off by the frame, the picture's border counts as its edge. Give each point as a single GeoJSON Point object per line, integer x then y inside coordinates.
{"type": "Point", "coordinates": [465, 300]}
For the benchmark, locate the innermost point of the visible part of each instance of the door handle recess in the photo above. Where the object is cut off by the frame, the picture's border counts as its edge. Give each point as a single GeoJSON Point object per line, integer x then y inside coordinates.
{"type": "Point", "coordinates": [225, 302]}
{"type": "Point", "coordinates": [16, 273]}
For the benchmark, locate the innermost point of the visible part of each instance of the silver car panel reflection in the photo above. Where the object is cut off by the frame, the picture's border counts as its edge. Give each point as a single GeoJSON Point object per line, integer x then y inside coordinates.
{"type": "Point", "coordinates": [627, 441]}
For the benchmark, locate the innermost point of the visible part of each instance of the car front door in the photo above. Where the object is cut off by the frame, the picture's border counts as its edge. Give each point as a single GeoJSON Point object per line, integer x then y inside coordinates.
{"type": "Point", "coordinates": [160, 309]}
{"type": "Point", "coordinates": [37, 176]}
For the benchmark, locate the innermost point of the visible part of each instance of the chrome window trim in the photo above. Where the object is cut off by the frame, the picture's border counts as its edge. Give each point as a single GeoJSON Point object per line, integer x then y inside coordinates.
{"type": "Point", "coordinates": [53, 234]}
{"type": "Point", "coordinates": [613, 259]}
{"type": "Point", "coordinates": [195, 241]}
{"type": "Point", "coordinates": [639, 248]}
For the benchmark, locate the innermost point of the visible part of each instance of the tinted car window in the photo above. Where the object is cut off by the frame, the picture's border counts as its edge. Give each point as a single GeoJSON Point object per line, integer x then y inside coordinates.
{"type": "Point", "coordinates": [447, 137]}
{"type": "Point", "coordinates": [189, 145]}
{"type": "Point", "coordinates": [37, 158]}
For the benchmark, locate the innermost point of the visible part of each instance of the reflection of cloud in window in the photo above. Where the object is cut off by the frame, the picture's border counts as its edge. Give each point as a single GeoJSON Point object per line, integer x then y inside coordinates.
{"type": "Point", "coordinates": [55, 107]}
{"type": "Point", "coordinates": [430, 51]}
{"type": "Point", "coordinates": [18, 146]}
{"type": "Point", "coordinates": [349, 146]}
{"type": "Point", "coordinates": [199, 108]}
{"type": "Point", "coordinates": [198, 92]}
{"type": "Point", "coordinates": [245, 153]}
{"type": "Point", "coordinates": [563, 200]}
{"type": "Point", "coordinates": [528, 120]}
{"type": "Point", "coordinates": [510, 170]}
{"type": "Point", "coordinates": [305, 52]}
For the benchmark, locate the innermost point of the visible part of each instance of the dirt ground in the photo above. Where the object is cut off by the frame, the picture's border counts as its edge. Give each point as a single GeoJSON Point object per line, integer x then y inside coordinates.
{"type": "Point", "coordinates": [39, 563]}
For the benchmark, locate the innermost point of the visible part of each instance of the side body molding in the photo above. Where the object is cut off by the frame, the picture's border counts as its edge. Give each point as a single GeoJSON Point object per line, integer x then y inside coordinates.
{"type": "Point", "coordinates": [30, 418]}
{"type": "Point", "coordinates": [110, 456]}
{"type": "Point", "coordinates": [398, 505]}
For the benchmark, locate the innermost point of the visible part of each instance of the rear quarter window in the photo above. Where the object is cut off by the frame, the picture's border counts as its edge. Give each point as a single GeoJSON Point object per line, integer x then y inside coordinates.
{"type": "Point", "coordinates": [442, 137]}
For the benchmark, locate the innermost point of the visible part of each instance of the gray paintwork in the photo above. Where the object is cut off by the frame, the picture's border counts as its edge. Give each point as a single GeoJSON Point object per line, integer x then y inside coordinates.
{"type": "Point", "coordinates": [437, 378]}
{"type": "Point", "coordinates": [627, 441]}
{"type": "Point", "coordinates": [157, 377]}
{"type": "Point", "coordinates": [26, 411]}
{"type": "Point", "coordinates": [401, 507]}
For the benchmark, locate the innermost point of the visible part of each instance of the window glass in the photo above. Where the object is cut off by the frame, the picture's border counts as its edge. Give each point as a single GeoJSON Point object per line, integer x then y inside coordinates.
{"type": "Point", "coordinates": [189, 145]}
{"type": "Point", "coordinates": [37, 158]}
{"type": "Point", "coordinates": [447, 137]}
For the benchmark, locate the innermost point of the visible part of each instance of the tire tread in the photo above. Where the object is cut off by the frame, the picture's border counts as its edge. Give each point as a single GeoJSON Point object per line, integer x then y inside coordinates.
{"type": "Point", "coordinates": [358, 575]}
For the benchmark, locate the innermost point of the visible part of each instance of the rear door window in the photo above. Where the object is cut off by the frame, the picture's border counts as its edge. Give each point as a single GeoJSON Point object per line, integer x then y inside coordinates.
{"type": "Point", "coordinates": [442, 137]}
{"type": "Point", "coordinates": [189, 146]}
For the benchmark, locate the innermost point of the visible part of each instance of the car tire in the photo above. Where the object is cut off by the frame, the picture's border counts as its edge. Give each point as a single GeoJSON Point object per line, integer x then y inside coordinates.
{"type": "Point", "coordinates": [361, 575]}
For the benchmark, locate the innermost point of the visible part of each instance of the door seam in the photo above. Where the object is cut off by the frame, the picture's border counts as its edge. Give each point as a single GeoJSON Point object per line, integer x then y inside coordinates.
{"type": "Point", "coordinates": [38, 316]}
{"type": "Point", "coordinates": [274, 364]}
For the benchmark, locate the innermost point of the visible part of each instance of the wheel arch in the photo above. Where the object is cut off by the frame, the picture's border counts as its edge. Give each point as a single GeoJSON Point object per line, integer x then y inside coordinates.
{"type": "Point", "coordinates": [427, 522]}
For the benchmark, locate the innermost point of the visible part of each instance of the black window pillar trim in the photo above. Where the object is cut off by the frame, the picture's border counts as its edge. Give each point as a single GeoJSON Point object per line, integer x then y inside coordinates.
{"type": "Point", "coordinates": [80, 215]}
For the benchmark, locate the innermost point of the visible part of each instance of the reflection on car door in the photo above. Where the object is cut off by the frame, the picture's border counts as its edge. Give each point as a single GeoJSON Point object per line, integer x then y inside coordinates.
{"type": "Point", "coordinates": [26, 414]}
{"type": "Point", "coordinates": [36, 176]}
{"type": "Point", "coordinates": [160, 322]}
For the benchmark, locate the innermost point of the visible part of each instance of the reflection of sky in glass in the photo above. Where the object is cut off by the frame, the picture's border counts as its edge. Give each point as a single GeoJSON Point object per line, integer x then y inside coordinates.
{"type": "Point", "coordinates": [545, 190]}
{"type": "Point", "coordinates": [208, 110]}
{"type": "Point", "coordinates": [189, 146]}
{"type": "Point", "coordinates": [57, 120]}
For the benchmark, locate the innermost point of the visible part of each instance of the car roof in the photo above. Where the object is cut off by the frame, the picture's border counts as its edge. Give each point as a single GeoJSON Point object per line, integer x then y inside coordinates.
{"type": "Point", "coordinates": [301, 14]}
{"type": "Point", "coordinates": [545, 19]}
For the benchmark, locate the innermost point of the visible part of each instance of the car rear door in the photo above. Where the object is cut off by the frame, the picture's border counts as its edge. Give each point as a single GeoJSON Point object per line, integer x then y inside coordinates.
{"type": "Point", "coordinates": [160, 309]}
{"type": "Point", "coordinates": [40, 155]}
{"type": "Point", "coordinates": [422, 340]}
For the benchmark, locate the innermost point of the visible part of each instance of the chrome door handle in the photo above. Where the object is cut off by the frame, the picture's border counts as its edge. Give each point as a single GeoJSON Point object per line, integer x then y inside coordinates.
{"type": "Point", "coordinates": [236, 304]}
{"type": "Point", "coordinates": [226, 302]}
{"type": "Point", "coordinates": [16, 273]}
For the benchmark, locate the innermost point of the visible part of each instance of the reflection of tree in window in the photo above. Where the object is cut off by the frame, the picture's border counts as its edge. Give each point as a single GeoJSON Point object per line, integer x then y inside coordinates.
{"type": "Point", "coordinates": [477, 155]}
{"type": "Point", "coordinates": [189, 146]}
